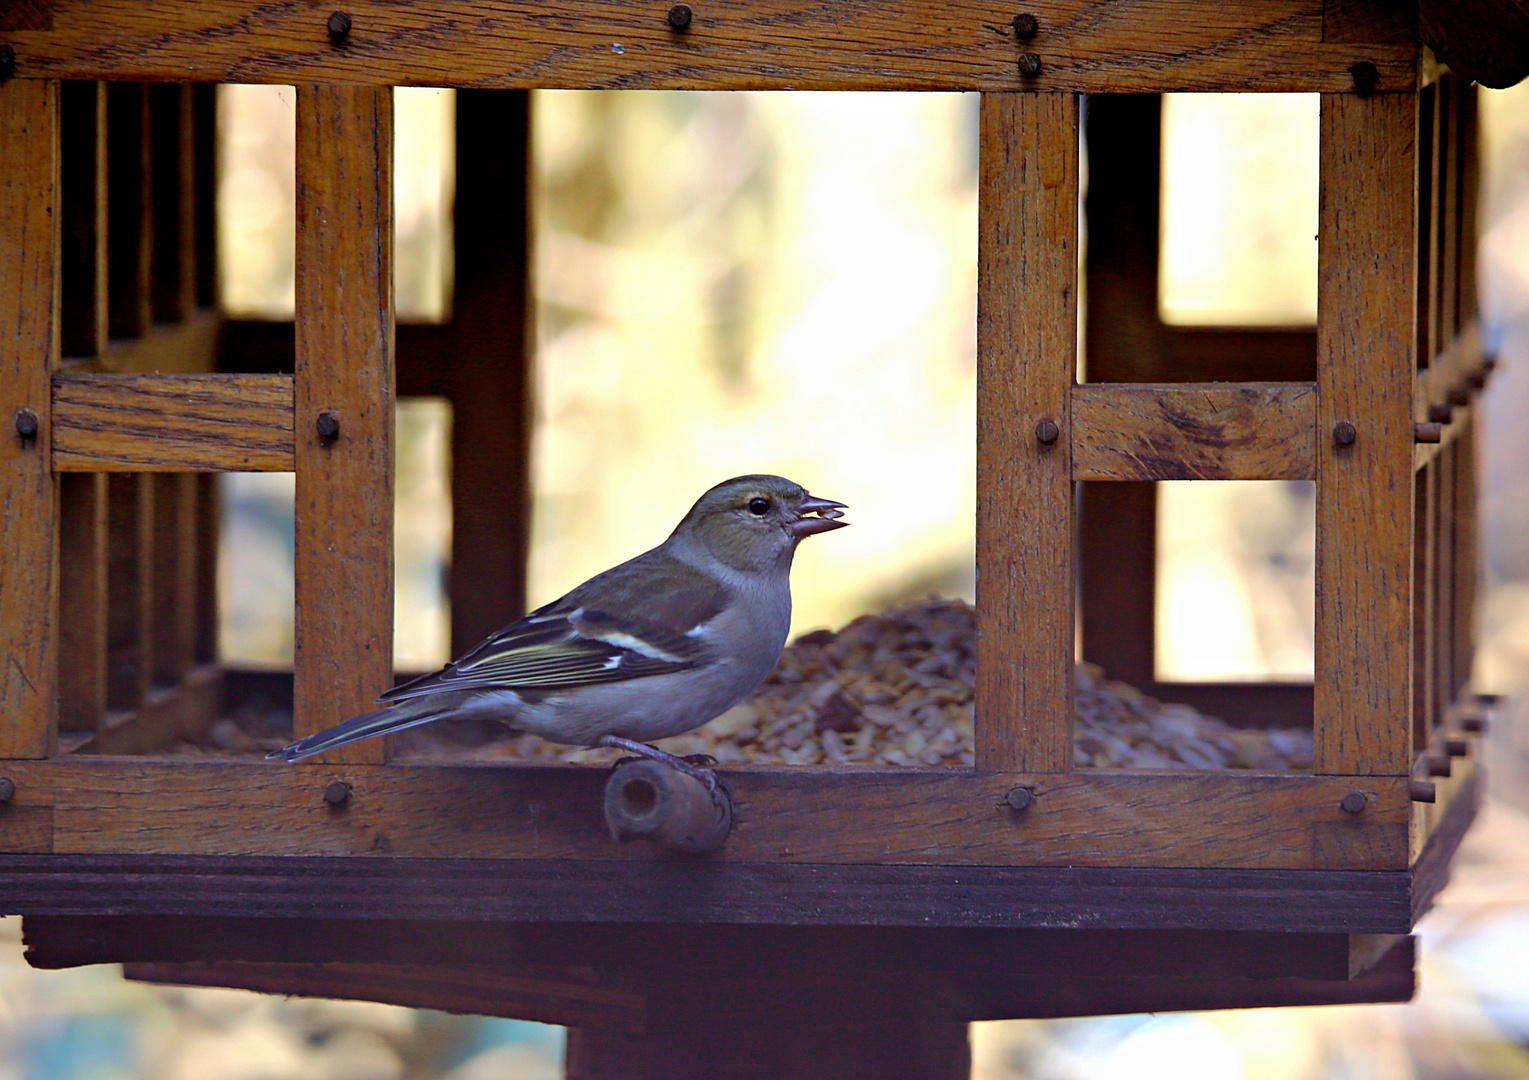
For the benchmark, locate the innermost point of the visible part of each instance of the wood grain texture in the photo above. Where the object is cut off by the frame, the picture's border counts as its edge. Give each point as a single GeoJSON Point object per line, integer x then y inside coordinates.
{"type": "Point", "coordinates": [344, 363]}
{"type": "Point", "coordinates": [929, 817]}
{"type": "Point", "coordinates": [82, 601]}
{"type": "Point", "coordinates": [1366, 366]}
{"type": "Point", "coordinates": [1027, 335]}
{"type": "Point", "coordinates": [29, 348]}
{"type": "Point", "coordinates": [172, 423]}
{"type": "Point", "coordinates": [707, 891]}
{"type": "Point", "coordinates": [1194, 431]}
{"type": "Point", "coordinates": [1085, 45]}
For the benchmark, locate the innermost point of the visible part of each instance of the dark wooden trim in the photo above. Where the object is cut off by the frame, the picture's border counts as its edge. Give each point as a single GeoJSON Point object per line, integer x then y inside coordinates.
{"type": "Point", "coordinates": [688, 891]}
{"type": "Point", "coordinates": [731, 45]}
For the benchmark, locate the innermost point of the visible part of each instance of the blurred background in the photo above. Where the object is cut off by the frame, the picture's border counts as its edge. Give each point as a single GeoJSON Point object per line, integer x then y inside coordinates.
{"type": "Point", "coordinates": [749, 282]}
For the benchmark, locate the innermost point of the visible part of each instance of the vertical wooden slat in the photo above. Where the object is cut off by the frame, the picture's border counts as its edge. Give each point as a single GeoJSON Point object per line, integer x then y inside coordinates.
{"type": "Point", "coordinates": [29, 349]}
{"type": "Point", "coordinates": [204, 133]}
{"type": "Point", "coordinates": [174, 194]}
{"type": "Point", "coordinates": [1427, 161]}
{"type": "Point", "coordinates": [129, 210]}
{"type": "Point", "coordinates": [1466, 555]}
{"type": "Point", "coordinates": [1125, 342]}
{"type": "Point", "coordinates": [174, 575]}
{"type": "Point", "coordinates": [1449, 213]}
{"type": "Point", "coordinates": [208, 523]}
{"type": "Point", "coordinates": [130, 589]}
{"type": "Point", "coordinates": [1365, 372]}
{"type": "Point", "coordinates": [83, 154]}
{"type": "Point", "coordinates": [1444, 578]}
{"type": "Point", "coordinates": [82, 601]}
{"type": "Point", "coordinates": [1027, 334]}
{"type": "Point", "coordinates": [1422, 606]}
{"type": "Point", "coordinates": [1470, 192]}
{"type": "Point", "coordinates": [344, 364]}
{"type": "Point", "coordinates": [490, 376]}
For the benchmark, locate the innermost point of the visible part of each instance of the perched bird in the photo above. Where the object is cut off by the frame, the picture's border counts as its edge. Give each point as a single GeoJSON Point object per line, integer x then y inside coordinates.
{"type": "Point", "coordinates": [651, 648]}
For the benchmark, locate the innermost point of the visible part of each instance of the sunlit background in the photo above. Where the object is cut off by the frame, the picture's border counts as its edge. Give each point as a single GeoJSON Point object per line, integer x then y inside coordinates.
{"type": "Point", "coordinates": [786, 282]}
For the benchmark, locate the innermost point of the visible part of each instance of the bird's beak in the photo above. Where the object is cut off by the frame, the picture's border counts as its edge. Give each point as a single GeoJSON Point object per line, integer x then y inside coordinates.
{"type": "Point", "coordinates": [829, 514]}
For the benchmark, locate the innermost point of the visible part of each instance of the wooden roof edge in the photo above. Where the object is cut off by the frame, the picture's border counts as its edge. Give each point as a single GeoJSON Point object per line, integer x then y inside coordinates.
{"type": "Point", "coordinates": [1484, 40]}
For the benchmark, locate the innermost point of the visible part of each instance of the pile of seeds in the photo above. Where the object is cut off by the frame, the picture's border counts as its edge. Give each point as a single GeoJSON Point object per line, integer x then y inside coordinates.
{"type": "Point", "coordinates": [897, 689]}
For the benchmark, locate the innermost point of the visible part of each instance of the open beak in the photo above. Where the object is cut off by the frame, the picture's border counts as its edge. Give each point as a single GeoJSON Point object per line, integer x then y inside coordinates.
{"type": "Point", "coordinates": [828, 511]}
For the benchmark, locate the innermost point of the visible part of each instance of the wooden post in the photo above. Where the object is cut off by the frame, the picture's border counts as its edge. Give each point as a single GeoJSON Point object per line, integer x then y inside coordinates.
{"type": "Point", "coordinates": [29, 348]}
{"type": "Point", "coordinates": [344, 372]}
{"type": "Point", "coordinates": [1027, 335]}
{"type": "Point", "coordinates": [130, 589]}
{"type": "Point", "coordinates": [490, 372]}
{"type": "Point", "coordinates": [1366, 358]}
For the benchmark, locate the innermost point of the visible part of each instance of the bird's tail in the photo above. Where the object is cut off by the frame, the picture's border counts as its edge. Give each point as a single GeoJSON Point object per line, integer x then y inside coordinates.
{"type": "Point", "coordinates": [405, 714]}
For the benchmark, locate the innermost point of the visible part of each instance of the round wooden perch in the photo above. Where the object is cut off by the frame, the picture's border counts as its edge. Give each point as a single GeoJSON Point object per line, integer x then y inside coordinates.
{"type": "Point", "coordinates": [645, 798]}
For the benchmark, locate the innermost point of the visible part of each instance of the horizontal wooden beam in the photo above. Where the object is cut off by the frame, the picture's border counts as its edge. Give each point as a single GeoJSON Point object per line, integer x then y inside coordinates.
{"type": "Point", "coordinates": [172, 423]}
{"type": "Point", "coordinates": [935, 816]}
{"type": "Point", "coordinates": [1089, 46]}
{"type": "Point", "coordinates": [707, 891]}
{"type": "Point", "coordinates": [1202, 431]}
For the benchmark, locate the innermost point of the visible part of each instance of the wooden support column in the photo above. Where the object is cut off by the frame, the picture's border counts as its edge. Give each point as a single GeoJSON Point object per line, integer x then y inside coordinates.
{"type": "Point", "coordinates": [1027, 334]}
{"type": "Point", "coordinates": [344, 366]}
{"type": "Point", "coordinates": [490, 373]}
{"type": "Point", "coordinates": [173, 277]}
{"type": "Point", "coordinates": [1442, 628]}
{"type": "Point", "coordinates": [1467, 552]}
{"type": "Point", "coordinates": [29, 349]}
{"type": "Point", "coordinates": [1367, 307]}
{"type": "Point", "coordinates": [1423, 613]}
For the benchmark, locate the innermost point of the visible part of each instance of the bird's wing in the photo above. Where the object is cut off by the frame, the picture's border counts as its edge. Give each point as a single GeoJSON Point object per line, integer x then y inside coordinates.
{"type": "Point", "coordinates": [637, 620]}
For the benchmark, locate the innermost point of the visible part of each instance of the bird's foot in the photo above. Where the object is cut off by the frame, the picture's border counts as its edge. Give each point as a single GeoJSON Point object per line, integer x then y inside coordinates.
{"type": "Point", "coordinates": [690, 765]}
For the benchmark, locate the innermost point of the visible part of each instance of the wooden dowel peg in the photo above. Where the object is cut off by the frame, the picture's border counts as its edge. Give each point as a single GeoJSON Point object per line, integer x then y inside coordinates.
{"type": "Point", "coordinates": [1441, 413]}
{"type": "Point", "coordinates": [1430, 432]}
{"type": "Point", "coordinates": [645, 798]}
{"type": "Point", "coordinates": [1421, 791]}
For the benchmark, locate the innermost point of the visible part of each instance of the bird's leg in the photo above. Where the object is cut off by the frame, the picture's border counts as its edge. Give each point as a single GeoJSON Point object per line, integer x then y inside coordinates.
{"type": "Point", "coordinates": [653, 753]}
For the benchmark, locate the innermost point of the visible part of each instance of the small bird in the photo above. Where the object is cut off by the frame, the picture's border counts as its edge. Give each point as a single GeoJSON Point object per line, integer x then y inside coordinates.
{"type": "Point", "coordinates": [653, 647]}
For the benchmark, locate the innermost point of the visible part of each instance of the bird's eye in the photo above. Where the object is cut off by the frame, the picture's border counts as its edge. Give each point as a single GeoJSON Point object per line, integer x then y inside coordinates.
{"type": "Point", "coordinates": [759, 507]}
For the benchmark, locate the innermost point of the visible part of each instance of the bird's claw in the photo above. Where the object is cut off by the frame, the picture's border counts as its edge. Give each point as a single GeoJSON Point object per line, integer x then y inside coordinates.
{"type": "Point", "coordinates": [691, 765]}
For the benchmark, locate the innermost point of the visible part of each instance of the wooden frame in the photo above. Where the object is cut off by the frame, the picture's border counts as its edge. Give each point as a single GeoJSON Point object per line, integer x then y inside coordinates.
{"type": "Point", "coordinates": [106, 598]}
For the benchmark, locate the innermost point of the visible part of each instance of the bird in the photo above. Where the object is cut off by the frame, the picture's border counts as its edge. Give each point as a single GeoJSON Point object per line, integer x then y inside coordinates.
{"type": "Point", "coordinates": [653, 647]}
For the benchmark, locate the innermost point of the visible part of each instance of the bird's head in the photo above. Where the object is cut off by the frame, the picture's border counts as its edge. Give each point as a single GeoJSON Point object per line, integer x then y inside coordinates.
{"type": "Point", "coordinates": [755, 522]}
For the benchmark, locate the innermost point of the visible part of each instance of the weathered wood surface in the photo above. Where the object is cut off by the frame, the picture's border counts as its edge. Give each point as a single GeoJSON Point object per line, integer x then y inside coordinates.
{"type": "Point", "coordinates": [927, 817]}
{"type": "Point", "coordinates": [1084, 45]}
{"type": "Point", "coordinates": [1365, 374]}
{"type": "Point", "coordinates": [1027, 335]}
{"type": "Point", "coordinates": [29, 347]}
{"type": "Point", "coordinates": [1194, 432]}
{"type": "Point", "coordinates": [172, 423]}
{"type": "Point", "coordinates": [344, 365]}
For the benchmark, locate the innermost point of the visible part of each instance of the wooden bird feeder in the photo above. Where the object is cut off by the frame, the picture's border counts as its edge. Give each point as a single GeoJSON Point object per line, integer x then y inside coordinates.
{"type": "Point", "coordinates": [855, 919]}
